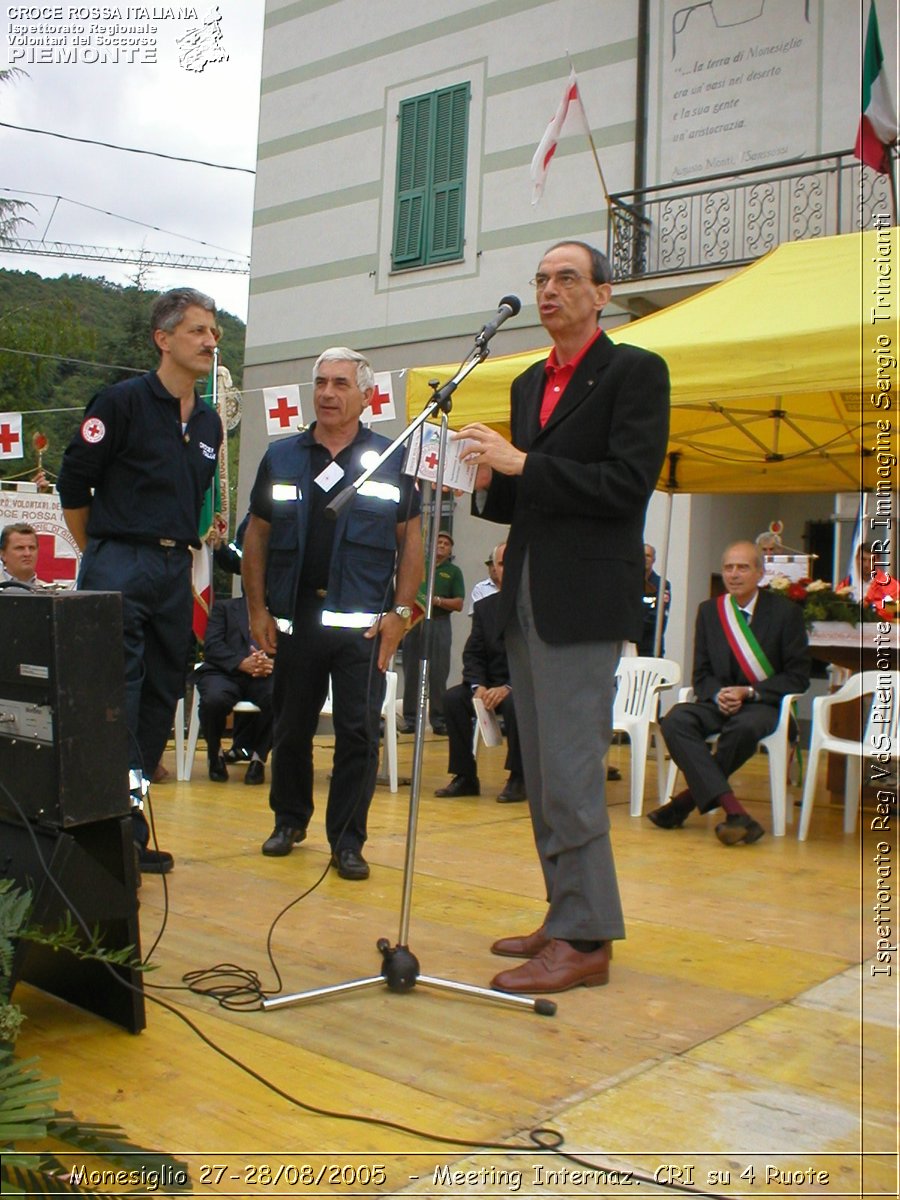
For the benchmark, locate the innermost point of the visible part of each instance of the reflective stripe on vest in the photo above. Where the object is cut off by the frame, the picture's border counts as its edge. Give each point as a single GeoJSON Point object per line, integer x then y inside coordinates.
{"type": "Point", "coordinates": [356, 620]}
{"type": "Point", "coordinates": [381, 491]}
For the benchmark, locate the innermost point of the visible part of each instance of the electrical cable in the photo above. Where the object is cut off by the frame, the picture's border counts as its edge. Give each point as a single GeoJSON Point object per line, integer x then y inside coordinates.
{"type": "Point", "coordinates": [67, 137]}
{"type": "Point", "coordinates": [542, 1138]}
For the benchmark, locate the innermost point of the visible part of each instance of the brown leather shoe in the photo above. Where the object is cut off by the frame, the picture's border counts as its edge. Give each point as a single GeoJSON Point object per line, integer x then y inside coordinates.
{"type": "Point", "coordinates": [522, 947]}
{"type": "Point", "coordinates": [557, 968]}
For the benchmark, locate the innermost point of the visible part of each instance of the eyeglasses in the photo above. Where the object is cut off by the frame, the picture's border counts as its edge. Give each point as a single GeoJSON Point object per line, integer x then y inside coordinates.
{"type": "Point", "coordinates": [563, 279]}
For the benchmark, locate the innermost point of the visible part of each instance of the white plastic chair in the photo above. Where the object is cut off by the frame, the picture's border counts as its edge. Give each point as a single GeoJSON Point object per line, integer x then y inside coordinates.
{"type": "Point", "coordinates": [184, 755]}
{"type": "Point", "coordinates": [880, 738]}
{"type": "Point", "coordinates": [389, 712]}
{"type": "Point", "coordinates": [638, 684]}
{"type": "Point", "coordinates": [778, 748]}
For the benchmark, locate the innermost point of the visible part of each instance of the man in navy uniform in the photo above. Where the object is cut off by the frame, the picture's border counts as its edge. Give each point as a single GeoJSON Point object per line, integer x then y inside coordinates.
{"type": "Point", "coordinates": [319, 591]}
{"type": "Point", "coordinates": [132, 484]}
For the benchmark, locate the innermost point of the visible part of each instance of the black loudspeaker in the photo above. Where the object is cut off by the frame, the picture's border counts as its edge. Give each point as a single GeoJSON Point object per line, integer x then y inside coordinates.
{"type": "Point", "coordinates": [63, 739]}
{"type": "Point", "coordinates": [89, 871]}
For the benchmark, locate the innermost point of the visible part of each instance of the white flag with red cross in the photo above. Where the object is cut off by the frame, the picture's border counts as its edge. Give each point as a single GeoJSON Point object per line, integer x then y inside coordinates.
{"type": "Point", "coordinates": [381, 406]}
{"type": "Point", "coordinates": [283, 411]}
{"type": "Point", "coordinates": [11, 436]}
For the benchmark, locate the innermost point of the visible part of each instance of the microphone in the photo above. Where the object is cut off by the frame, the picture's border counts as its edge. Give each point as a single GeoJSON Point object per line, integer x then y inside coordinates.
{"type": "Point", "coordinates": [507, 308]}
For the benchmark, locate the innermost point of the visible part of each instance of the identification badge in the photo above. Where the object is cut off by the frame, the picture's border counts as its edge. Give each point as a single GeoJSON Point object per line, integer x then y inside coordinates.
{"type": "Point", "coordinates": [329, 477]}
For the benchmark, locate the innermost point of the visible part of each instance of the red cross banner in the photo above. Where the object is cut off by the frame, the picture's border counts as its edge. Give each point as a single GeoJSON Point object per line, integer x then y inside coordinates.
{"type": "Point", "coordinates": [381, 406]}
{"type": "Point", "coordinates": [58, 556]}
{"type": "Point", "coordinates": [11, 436]}
{"type": "Point", "coordinates": [283, 411]}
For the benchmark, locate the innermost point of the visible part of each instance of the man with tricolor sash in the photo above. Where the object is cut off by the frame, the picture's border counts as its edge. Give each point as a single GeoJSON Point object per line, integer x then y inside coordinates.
{"type": "Point", "coordinates": [750, 650]}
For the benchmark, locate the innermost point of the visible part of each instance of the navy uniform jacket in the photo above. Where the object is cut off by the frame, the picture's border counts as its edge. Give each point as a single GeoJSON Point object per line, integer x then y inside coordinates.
{"type": "Point", "coordinates": [777, 625]}
{"type": "Point", "coordinates": [148, 475]}
{"type": "Point", "coordinates": [364, 556]}
{"type": "Point", "coordinates": [578, 508]}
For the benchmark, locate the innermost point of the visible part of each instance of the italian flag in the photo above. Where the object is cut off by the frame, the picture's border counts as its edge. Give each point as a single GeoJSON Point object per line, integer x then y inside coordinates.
{"type": "Point", "coordinates": [878, 122]}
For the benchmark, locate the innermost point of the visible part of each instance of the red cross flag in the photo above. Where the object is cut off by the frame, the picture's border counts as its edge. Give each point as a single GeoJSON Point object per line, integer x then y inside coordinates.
{"type": "Point", "coordinates": [11, 436]}
{"type": "Point", "coordinates": [57, 560]}
{"type": "Point", "coordinates": [283, 411]}
{"type": "Point", "coordinates": [381, 406]}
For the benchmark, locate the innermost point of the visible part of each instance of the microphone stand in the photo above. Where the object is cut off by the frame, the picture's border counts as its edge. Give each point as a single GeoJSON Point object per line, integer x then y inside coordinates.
{"type": "Point", "coordinates": [400, 967]}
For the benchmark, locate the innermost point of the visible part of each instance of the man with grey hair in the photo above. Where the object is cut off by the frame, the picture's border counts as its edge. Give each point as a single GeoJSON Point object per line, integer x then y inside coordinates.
{"type": "Point", "coordinates": [588, 428]}
{"type": "Point", "coordinates": [132, 484]}
{"type": "Point", "coordinates": [320, 591]}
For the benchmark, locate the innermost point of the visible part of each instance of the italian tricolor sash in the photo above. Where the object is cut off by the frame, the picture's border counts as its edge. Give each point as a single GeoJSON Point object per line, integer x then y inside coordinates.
{"type": "Point", "coordinates": [744, 646]}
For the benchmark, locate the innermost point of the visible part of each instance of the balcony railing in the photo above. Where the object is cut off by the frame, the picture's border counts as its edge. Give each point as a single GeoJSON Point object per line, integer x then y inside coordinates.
{"type": "Point", "coordinates": [727, 220]}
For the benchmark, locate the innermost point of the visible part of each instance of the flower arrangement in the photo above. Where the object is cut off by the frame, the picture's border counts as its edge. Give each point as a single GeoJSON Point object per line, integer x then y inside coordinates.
{"type": "Point", "coordinates": [821, 602]}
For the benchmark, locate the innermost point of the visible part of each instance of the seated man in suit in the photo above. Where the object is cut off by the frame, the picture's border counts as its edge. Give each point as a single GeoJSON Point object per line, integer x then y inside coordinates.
{"type": "Point", "coordinates": [750, 650]}
{"type": "Point", "coordinates": [485, 677]}
{"type": "Point", "coordinates": [234, 669]}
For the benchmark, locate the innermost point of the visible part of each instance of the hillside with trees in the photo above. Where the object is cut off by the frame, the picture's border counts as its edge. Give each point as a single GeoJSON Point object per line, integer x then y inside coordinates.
{"type": "Point", "coordinates": [63, 339]}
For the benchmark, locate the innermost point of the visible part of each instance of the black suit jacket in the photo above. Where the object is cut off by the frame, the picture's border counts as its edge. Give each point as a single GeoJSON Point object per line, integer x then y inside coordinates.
{"type": "Point", "coordinates": [227, 641]}
{"type": "Point", "coordinates": [777, 625]}
{"type": "Point", "coordinates": [578, 508]}
{"type": "Point", "coordinates": [484, 654]}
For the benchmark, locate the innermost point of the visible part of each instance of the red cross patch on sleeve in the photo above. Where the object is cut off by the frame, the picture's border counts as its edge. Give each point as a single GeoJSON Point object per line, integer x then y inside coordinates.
{"type": "Point", "coordinates": [93, 430]}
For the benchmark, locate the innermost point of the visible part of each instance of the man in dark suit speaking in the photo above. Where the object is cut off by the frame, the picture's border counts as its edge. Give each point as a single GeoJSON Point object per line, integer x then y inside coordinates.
{"type": "Point", "coordinates": [589, 429]}
{"type": "Point", "coordinates": [750, 650]}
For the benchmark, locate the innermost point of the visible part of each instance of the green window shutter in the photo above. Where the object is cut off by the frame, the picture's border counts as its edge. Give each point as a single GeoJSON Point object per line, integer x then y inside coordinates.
{"type": "Point", "coordinates": [412, 180]}
{"type": "Point", "coordinates": [431, 167]}
{"type": "Point", "coordinates": [448, 190]}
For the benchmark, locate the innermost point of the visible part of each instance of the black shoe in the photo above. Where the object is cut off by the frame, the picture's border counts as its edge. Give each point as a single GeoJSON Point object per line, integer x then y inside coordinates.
{"type": "Point", "coordinates": [237, 754]}
{"type": "Point", "coordinates": [406, 726]}
{"type": "Point", "coordinates": [513, 792]}
{"type": "Point", "coordinates": [154, 862]}
{"type": "Point", "coordinates": [670, 816]}
{"type": "Point", "coordinates": [256, 772]}
{"type": "Point", "coordinates": [739, 827]}
{"type": "Point", "coordinates": [613, 774]}
{"type": "Point", "coordinates": [440, 729]}
{"type": "Point", "coordinates": [218, 772]}
{"type": "Point", "coordinates": [349, 863]}
{"type": "Point", "coordinates": [282, 840]}
{"type": "Point", "coordinates": [460, 785]}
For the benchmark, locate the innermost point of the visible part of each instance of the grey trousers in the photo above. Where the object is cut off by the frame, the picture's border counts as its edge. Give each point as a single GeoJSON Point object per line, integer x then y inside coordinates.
{"type": "Point", "coordinates": [564, 700]}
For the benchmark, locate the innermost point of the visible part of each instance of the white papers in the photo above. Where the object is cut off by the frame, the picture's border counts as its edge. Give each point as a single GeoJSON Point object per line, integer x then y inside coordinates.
{"type": "Point", "coordinates": [424, 446]}
{"type": "Point", "coordinates": [488, 724]}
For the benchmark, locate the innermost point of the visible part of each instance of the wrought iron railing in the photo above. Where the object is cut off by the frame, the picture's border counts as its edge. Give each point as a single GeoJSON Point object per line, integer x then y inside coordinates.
{"type": "Point", "coordinates": [726, 220]}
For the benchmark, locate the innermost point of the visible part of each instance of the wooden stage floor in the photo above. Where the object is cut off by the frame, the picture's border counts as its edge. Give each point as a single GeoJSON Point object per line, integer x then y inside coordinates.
{"type": "Point", "coordinates": [743, 1047]}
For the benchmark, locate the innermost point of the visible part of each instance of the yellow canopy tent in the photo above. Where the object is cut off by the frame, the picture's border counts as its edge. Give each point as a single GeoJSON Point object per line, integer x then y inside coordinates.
{"type": "Point", "coordinates": [772, 371]}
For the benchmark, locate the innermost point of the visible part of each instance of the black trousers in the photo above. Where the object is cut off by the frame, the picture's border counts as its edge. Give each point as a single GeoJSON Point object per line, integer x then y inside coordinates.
{"type": "Point", "coordinates": [305, 661]}
{"type": "Point", "coordinates": [460, 714]}
{"type": "Point", "coordinates": [155, 582]}
{"type": "Point", "coordinates": [219, 692]}
{"type": "Point", "coordinates": [685, 729]}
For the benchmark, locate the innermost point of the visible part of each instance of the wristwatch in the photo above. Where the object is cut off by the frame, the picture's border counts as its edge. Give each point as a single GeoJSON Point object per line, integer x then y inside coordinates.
{"type": "Point", "coordinates": [403, 611]}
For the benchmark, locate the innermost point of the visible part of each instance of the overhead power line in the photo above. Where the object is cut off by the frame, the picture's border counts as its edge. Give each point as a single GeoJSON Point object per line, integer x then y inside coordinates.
{"type": "Point", "coordinates": [67, 137]}
{"type": "Point", "coordinates": [118, 254]}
